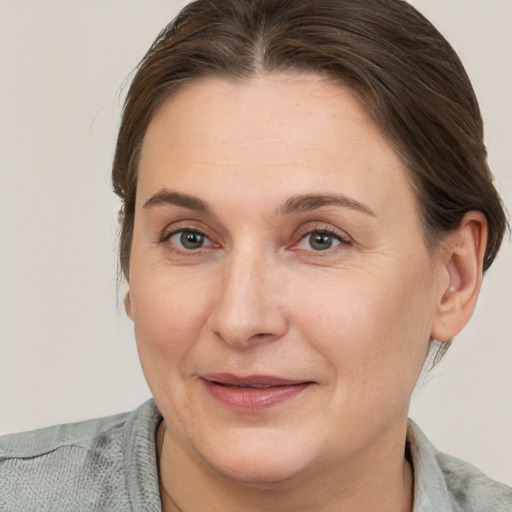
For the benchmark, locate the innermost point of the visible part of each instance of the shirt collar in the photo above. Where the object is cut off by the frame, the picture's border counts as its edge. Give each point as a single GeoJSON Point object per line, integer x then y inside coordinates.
{"type": "Point", "coordinates": [430, 491]}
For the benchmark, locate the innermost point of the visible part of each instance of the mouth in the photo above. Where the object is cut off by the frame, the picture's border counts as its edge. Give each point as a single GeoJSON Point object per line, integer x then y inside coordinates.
{"type": "Point", "coordinates": [252, 393]}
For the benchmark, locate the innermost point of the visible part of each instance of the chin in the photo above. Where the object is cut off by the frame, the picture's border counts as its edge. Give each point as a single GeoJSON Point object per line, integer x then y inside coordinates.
{"type": "Point", "coordinates": [265, 459]}
{"type": "Point", "coordinates": [258, 471]}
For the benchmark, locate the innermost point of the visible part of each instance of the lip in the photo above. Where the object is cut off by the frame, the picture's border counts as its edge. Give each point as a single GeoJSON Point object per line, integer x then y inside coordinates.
{"type": "Point", "coordinates": [252, 393]}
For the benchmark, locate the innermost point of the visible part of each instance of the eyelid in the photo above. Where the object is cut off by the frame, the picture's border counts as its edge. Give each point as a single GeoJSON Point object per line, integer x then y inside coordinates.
{"type": "Point", "coordinates": [322, 228]}
{"type": "Point", "coordinates": [170, 234]}
{"type": "Point", "coordinates": [178, 227]}
{"type": "Point", "coordinates": [182, 225]}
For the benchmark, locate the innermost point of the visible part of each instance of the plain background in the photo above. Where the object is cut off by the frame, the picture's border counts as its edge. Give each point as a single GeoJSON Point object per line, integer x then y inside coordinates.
{"type": "Point", "coordinates": [67, 351]}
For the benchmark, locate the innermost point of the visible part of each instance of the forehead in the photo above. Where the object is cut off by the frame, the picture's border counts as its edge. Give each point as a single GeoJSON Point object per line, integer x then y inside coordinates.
{"type": "Point", "coordinates": [274, 135]}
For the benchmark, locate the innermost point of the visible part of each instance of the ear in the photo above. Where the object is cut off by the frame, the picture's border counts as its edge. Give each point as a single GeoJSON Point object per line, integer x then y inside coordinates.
{"type": "Point", "coordinates": [462, 256]}
{"type": "Point", "coordinates": [128, 304]}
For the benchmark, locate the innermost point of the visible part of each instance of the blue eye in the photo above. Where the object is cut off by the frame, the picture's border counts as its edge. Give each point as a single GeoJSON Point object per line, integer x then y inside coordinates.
{"type": "Point", "coordinates": [319, 241]}
{"type": "Point", "coordinates": [189, 239]}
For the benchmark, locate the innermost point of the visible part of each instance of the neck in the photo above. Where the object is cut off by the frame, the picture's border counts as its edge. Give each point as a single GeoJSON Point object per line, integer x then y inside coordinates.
{"type": "Point", "coordinates": [188, 484]}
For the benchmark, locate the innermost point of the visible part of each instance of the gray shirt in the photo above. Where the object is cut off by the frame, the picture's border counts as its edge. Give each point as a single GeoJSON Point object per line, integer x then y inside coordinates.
{"type": "Point", "coordinates": [109, 464]}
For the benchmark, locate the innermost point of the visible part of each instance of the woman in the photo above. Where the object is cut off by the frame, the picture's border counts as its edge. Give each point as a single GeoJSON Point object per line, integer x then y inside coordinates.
{"type": "Point", "coordinates": [306, 207]}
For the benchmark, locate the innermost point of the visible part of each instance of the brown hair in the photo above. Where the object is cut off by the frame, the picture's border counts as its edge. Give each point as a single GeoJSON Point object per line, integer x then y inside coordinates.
{"type": "Point", "coordinates": [407, 74]}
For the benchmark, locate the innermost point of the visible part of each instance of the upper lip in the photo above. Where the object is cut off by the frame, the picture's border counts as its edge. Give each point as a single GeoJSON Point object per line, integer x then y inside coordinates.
{"type": "Point", "coordinates": [228, 379]}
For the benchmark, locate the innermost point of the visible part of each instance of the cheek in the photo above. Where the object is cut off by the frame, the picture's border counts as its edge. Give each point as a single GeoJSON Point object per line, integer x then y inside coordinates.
{"type": "Point", "coordinates": [369, 324]}
{"type": "Point", "coordinates": [168, 317]}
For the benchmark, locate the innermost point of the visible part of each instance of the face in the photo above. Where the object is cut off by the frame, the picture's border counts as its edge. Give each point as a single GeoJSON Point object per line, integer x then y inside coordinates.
{"type": "Point", "coordinates": [281, 291]}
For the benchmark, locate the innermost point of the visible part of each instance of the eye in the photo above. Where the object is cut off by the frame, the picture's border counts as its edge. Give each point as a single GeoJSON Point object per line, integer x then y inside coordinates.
{"type": "Point", "coordinates": [320, 240]}
{"type": "Point", "coordinates": [188, 239]}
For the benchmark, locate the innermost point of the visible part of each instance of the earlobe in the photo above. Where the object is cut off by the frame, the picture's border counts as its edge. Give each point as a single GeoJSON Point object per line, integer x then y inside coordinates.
{"type": "Point", "coordinates": [128, 304]}
{"type": "Point", "coordinates": [463, 255]}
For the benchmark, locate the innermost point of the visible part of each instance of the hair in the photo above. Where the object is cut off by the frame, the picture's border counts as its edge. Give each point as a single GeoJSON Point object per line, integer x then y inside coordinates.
{"type": "Point", "coordinates": [405, 72]}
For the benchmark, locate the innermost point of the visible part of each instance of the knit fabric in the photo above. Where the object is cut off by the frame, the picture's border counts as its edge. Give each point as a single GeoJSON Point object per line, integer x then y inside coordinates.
{"type": "Point", "coordinates": [109, 464]}
{"type": "Point", "coordinates": [443, 483]}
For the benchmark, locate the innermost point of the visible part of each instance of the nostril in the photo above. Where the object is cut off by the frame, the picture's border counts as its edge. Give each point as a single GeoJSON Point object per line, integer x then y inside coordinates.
{"type": "Point", "coordinates": [260, 335]}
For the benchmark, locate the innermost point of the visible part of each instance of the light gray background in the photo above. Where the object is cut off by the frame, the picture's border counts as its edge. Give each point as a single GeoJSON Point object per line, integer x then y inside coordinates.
{"type": "Point", "coordinates": [66, 350]}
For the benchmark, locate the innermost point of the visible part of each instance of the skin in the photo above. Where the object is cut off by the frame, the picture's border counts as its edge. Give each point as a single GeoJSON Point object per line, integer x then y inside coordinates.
{"type": "Point", "coordinates": [257, 297]}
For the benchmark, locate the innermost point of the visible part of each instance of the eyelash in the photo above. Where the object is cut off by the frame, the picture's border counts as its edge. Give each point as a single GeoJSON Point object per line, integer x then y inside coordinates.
{"type": "Point", "coordinates": [183, 250]}
{"type": "Point", "coordinates": [341, 238]}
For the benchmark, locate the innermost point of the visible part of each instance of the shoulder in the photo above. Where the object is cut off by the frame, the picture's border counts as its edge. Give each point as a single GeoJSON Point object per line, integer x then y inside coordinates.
{"type": "Point", "coordinates": [472, 490]}
{"type": "Point", "coordinates": [87, 465]}
{"type": "Point", "coordinates": [37, 443]}
{"type": "Point", "coordinates": [446, 483]}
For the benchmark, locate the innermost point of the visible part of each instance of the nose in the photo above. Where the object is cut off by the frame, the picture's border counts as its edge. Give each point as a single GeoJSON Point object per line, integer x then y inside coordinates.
{"type": "Point", "coordinates": [249, 308]}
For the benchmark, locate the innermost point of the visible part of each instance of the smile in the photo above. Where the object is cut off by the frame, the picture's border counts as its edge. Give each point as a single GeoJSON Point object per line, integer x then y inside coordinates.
{"type": "Point", "coordinates": [253, 393]}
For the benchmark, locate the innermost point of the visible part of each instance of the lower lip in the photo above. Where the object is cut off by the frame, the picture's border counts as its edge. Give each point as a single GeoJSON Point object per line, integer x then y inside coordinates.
{"type": "Point", "coordinates": [252, 399]}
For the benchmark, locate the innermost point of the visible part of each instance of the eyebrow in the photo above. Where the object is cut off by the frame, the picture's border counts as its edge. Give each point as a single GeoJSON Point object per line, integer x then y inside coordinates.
{"type": "Point", "coordinates": [295, 204]}
{"type": "Point", "coordinates": [168, 197]}
{"type": "Point", "coordinates": [308, 202]}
